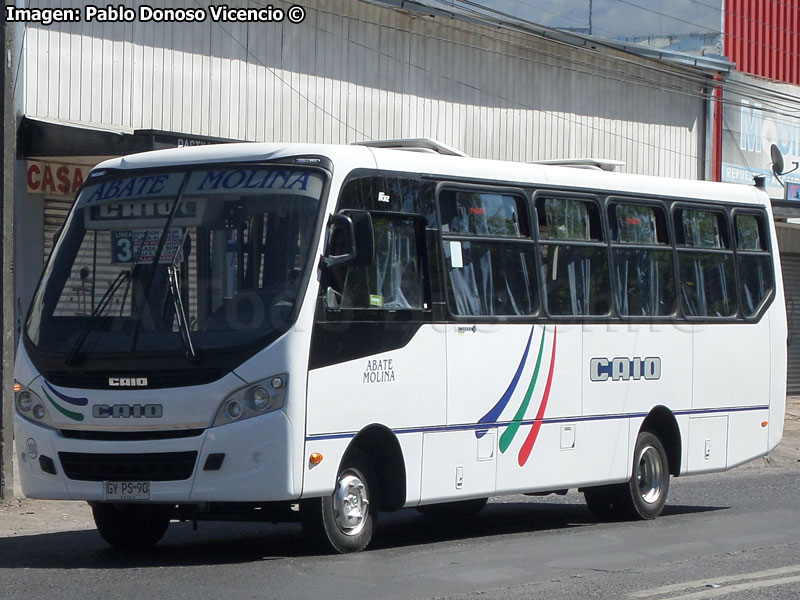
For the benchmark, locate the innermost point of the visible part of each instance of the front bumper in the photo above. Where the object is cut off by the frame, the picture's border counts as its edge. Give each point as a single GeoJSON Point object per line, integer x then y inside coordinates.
{"type": "Point", "coordinates": [257, 464]}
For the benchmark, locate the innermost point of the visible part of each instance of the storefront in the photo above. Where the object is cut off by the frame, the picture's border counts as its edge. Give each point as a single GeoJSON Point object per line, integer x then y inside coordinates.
{"type": "Point", "coordinates": [55, 160]}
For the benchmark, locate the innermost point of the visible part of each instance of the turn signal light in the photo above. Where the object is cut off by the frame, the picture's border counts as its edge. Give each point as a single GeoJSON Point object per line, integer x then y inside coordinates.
{"type": "Point", "coordinates": [315, 458]}
{"type": "Point", "coordinates": [764, 423]}
{"type": "Point", "coordinates": [17, 386]}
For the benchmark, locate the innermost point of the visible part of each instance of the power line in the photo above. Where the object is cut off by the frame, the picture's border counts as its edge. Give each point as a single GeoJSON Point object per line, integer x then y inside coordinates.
{"type": "Point", "coordinates": [613, 35]}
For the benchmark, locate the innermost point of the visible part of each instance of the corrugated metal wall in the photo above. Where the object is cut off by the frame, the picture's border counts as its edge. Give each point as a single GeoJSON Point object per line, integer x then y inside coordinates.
{"type": "Point", "coordinates": [790, 263]}
{"type": "Point", "coordinates": [789, 243]}
{"type": "Point", "coordinates": [354, 71]}
{"type": "Point", "coordinates": [763, 37]}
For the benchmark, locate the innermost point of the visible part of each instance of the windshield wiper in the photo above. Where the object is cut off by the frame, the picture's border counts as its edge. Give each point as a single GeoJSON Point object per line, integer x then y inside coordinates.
{"type": "Point", "coordinates": [93, 318]}
{"type": "Point", "coordinates": [156, 258]}
{"type": "Point", "coordinates": [173, 274]}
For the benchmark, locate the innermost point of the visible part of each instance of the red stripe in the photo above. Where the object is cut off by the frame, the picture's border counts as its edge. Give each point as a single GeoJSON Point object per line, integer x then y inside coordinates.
{"type": "Point", "coordinates": [527, 445]}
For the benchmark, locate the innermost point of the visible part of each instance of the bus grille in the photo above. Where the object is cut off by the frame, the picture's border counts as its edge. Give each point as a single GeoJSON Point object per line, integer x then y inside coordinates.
{"type": "Point", "coordinates": [161, 466]}
{"type": "Point", "coordinates": [128, 436]}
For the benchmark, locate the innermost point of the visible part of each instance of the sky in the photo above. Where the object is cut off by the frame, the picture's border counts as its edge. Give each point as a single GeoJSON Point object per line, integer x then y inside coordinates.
{"type": "Point", "coordinates": [619, 18]}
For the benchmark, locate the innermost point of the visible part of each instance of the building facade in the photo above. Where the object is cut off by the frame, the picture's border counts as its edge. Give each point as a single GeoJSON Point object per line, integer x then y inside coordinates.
{"type": "Point", "coordinates": [760, 106]}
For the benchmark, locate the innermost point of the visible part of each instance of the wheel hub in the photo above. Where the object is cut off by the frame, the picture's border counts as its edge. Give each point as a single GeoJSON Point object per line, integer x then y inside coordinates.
{"type": "Point", "coordinates": [351, 504]}
{"type": "Point", "coordinates": [650, 475]}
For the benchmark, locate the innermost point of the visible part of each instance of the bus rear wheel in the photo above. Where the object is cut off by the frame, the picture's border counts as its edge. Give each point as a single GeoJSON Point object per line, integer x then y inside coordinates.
{"type": "Point", "coordinates": [644, 495]}
{"type": "Point", "coordinates": [346, 519]}
{"type": "Point", "coordinates": [602, 500]}
{"type": "Point", "coordinates": [130, 526]}
{"type": "Point", "coordinates": [647, 489]}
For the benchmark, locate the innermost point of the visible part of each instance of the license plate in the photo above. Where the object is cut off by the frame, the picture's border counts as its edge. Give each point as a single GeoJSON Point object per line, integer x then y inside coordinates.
{"type": "Point", "coordinates": [127, 490]}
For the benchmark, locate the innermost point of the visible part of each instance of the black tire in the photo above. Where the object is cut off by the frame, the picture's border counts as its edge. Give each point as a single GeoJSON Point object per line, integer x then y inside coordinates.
{"type": "Point", "coordinates": [461, 509]}
{"type": "Point", "coordinates": [131, 526]}
{"type": "Point", "coordinates": [602, 501]}
{"type": "Point", "coordinates": [646, 492]}
{"type": "Point", "coordinates": [325, 519]}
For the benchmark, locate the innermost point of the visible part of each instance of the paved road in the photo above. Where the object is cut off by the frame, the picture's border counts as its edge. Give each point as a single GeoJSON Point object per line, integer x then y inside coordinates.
{"type": "Point", "coordinates": [739, 531]}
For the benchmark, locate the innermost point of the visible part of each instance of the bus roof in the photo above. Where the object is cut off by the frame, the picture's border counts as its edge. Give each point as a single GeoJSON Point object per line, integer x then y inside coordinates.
{"type": "Point", "coordinates": [348, 157]}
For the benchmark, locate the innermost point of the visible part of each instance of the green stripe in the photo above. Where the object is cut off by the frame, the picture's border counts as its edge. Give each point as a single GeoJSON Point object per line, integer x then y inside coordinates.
{"type": "Point", "coordinates": [511, 430]}
{"type": "Point", "coordinates": [67, 413]}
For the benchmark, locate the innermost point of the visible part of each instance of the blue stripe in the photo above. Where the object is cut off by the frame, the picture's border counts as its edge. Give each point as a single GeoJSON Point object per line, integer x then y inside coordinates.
{"type": "Point", "coordinates": [497, 409]}
{"type": "Point", "coordinates": [586, 419]}
{"type": "Point", "coordinates": [67, 399]}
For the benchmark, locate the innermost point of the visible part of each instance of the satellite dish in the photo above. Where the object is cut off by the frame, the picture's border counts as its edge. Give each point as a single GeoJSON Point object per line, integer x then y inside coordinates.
{"type": "Point", "coordinates": [777, 160]}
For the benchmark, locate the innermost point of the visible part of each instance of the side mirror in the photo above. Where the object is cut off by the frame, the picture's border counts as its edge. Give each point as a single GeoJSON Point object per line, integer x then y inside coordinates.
{"type": "Point", "coordinates": [349, 239]}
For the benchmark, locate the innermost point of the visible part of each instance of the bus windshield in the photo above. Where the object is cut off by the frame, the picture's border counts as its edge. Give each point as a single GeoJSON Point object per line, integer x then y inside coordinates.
{"type": "Point", "coordinates": [178, 262]}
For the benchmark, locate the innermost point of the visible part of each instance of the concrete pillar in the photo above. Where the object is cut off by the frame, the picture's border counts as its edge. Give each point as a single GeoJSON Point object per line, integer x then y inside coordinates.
{"type": "Point", "coordinates": [8, 139]}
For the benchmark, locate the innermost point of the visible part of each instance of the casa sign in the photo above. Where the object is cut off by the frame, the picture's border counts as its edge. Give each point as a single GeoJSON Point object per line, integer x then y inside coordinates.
{"type": "Point", "coordinates": [55, 179]}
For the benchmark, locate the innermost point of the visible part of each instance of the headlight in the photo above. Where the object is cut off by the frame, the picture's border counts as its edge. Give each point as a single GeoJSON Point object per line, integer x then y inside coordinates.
{"type": "Point", "coordinates": [252, 400]}
{"type": "Point", "coordinates": [24, 401]}
{"type": "Point", "coordinates": [30, 406]}
{"type": "Point", "coordinates": [260, 398]}
{"type": "Point", "coordinates": [233, 409]}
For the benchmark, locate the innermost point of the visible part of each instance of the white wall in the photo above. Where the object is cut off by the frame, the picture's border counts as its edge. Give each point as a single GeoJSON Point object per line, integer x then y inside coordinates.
{"type": "Point", "coordinates": [354, 71]}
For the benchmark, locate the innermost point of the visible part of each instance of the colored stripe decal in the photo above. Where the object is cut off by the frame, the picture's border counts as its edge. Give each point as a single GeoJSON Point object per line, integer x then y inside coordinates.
{"type": "Point", "coordinates": [67, 413]}
{"type": "Point", "coordinates": [527, 445]}
{"type": "Point", "coordinates": [68, 399]}
{"type": "Point", "coordinates": [513, 427]}
{"type": "Point", "coordinates": [552, 421]}
{"type": "Point", "coordinates": [494, 414]}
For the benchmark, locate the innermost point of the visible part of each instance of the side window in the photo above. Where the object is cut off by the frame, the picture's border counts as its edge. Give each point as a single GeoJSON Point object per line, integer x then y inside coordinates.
{"type": "Point", "coordinates": [481, 213]}
{"type": "Point", "coordinates": [574, 259]}
{"type": "Point", "coordinates": [753, 261]}
{"type": "Point", "coordinates": [488, 253]}
{"type": "Point", "coordinates": [641, 255]}
{"type": "Point", "coordinates": [705, 264]}
{"type": "Point", "coordinates": [394, 280]}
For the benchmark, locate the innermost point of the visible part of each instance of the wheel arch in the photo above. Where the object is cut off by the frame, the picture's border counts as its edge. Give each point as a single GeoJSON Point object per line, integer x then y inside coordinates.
{"type": "Point", "coordinates": [662, 423]}
{"type": "Point", "coordinates": [381, 447]}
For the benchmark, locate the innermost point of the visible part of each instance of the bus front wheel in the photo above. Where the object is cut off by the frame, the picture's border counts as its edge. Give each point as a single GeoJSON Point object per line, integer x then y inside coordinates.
{"type": "Point", "coordinates": [130, 526]}
{"type": "Point", "coordinates": [346, 519]}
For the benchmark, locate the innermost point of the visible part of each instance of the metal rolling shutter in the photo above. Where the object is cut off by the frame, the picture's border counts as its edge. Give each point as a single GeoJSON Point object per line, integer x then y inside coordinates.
{"type": "Point", "coordinates": [78, 299]}
{"type": "Point", "coordinates": [791, 283]}
{"type": "Point", "coordinates": [55, 213]}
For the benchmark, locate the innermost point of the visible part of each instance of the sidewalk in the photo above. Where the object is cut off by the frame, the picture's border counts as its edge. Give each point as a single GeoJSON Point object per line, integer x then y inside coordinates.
{"type": "Point", "coordinates": [22, 516]}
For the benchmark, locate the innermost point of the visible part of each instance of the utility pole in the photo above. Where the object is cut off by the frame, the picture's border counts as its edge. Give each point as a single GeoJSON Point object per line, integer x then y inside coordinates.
{"type": "Point", "coordinates": [8, 137]}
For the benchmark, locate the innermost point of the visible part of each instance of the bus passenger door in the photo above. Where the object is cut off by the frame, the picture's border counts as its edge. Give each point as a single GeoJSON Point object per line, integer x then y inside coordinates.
{"type": "Point", "coordinates": [462, 460]}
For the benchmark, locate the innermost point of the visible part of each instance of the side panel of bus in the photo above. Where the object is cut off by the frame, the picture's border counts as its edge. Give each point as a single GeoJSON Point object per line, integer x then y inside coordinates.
{"type": "Point", "coordinates": [485, 400]}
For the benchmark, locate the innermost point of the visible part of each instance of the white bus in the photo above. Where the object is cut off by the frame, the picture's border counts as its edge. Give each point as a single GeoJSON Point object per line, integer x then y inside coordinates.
{"type": "Point", "coordinates": [314, 333]}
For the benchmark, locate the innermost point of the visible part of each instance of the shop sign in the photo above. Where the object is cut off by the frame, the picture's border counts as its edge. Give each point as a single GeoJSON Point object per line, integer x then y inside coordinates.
{"type": "Point", "coordinates": [55, 179]}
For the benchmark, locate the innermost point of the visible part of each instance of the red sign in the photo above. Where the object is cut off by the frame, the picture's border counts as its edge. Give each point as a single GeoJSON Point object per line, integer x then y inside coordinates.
{"type": "Point", "coordinates": [55, 179]}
